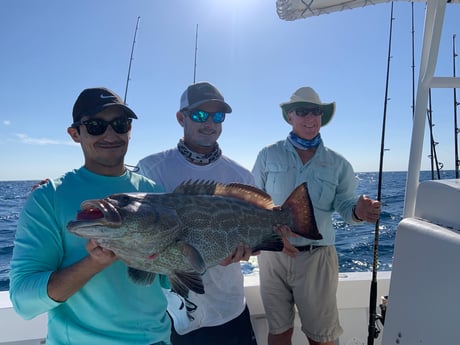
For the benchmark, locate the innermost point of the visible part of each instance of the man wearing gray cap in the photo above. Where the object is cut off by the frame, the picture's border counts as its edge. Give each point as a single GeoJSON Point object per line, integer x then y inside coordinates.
{"type": "Point", "coordinates": [308, 275]}
{"type": "Point", "coordinates": [83, 287]}
{"type": "Point", "coordinates": [220, 315]}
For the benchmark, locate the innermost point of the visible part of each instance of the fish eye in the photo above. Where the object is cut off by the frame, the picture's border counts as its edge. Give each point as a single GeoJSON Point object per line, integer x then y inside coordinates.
{"type": "Point", "coordinates": [125, 199]}
{"type": "Point", "coordinates": [122, 200]}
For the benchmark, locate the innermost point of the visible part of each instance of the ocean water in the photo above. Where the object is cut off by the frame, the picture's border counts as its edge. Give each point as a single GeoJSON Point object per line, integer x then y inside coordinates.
{"type": "Point", "coordinates": [13, 195]}
{"type": "Point", "coordinates": [354, 243]}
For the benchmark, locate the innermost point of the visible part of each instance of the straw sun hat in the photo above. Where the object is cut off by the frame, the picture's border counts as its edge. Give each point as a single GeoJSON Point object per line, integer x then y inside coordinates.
{"type": "Point", "coordinates": [306, 96]}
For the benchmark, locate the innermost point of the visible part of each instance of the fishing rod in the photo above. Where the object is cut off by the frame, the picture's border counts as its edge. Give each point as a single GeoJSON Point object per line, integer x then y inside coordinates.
{"type": "Point", "coordinates": [456, 129]}
{"type": "Point", "coordinates": [373, 331]}
{"type": "Point", "coordinates": [413, 59]}
{"type": "Point", "coordinates": [131, 59]}
{"type": "Point", "coordinates": [433, 156]}
{"type": "Point", "coordinates": [196, 49]}
{"type": "Point", "coordinates": [430, 126]}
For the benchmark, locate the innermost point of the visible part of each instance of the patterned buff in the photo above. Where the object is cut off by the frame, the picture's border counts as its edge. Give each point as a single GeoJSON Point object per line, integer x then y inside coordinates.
{"type": "Point", "coordinates": [304, 144]}
{"type": "Point", "coordinates": [199, 158]}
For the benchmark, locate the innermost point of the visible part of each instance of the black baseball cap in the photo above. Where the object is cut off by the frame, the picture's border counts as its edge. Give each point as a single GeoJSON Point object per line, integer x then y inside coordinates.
{"type": "Point", "coordinates": [200, 93]}
{"type": "Point", "coordinates": [94, 100]}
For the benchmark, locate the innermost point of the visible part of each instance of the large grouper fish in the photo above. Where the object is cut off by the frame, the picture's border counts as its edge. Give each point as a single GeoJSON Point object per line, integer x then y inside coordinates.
{"type": "Point", "coordinates": [181, 234]}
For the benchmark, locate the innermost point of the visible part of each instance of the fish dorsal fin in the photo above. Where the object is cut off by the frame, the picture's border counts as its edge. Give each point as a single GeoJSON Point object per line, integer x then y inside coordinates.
{"type": "Point", "coordinates": [196, 187]}
{"type": "Point", "coordinates": [246, 193]}
{"type": "Point", "coordinates": [238, 191]}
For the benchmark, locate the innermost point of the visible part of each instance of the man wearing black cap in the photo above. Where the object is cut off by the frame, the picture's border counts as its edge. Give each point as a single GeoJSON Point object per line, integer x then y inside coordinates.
{"type": "Point", "coordinates": [84, 288]}
{"type": "Point", "coordinates": [221, 315]}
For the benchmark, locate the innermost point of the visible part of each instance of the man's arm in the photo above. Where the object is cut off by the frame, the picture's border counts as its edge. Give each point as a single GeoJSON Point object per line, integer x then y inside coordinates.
{"type": "Point", "coordinates": [64, 283]}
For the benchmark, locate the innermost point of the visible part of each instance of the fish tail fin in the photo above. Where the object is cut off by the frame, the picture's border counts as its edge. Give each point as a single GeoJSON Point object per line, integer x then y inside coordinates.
{"type": "Point", "coordinates": [300, 208]}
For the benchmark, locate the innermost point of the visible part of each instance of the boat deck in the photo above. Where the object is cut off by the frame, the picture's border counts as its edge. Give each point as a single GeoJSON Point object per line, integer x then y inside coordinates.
{"type": "Point", "coordinates": [352, 294]}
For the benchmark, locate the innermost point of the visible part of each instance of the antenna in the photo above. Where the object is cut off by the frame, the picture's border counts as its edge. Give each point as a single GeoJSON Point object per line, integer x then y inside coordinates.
{"type": "Point", "coordinates": [196, 49]}
{"type": "Point", "coordinates": [131, 59]}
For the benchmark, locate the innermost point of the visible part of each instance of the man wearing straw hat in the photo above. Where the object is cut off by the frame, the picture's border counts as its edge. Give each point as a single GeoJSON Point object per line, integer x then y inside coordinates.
{"type": "Point", "coordinates": [307, 276]}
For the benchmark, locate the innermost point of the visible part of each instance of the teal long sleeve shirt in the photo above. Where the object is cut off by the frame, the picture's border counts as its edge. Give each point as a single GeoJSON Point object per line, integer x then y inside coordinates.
{"type": "Point", "coordinates": [330, 178]}
{"type": "Point", "coordinates": [109, 309]}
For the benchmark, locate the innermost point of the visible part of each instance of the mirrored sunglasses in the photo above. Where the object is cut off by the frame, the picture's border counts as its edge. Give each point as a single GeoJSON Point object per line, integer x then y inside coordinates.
{"type": "Point", "coordinates": [120, 125]}
{"type": "Point", "coordinates": [202, 116]}
{"type": "Point", "coordinates": [317, 111]}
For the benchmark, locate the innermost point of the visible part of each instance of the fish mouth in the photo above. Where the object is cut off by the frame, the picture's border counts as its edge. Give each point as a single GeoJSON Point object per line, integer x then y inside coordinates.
{"type": "Point", "coordinates": [96, 212]}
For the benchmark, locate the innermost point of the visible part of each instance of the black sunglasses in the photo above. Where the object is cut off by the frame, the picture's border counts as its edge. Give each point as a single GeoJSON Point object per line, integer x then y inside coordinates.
{"type": "Point", "coordinates": [120, 125]}
{"type": "Point", "coordinates": [202, 116]}
{"type": "Point", "coordinates": [317, 111]}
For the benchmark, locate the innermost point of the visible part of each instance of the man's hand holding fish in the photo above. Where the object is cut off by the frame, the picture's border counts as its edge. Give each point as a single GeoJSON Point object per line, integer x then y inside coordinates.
{"type": "Point", "coordinates": [242, 253]}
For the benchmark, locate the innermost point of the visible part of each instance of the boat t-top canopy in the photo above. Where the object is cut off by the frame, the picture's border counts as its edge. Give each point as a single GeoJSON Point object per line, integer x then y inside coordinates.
{"type": "Point", "coordinates": [296, 9]}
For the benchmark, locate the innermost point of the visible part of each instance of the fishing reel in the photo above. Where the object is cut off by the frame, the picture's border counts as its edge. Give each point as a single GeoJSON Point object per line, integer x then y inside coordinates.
{"type": "Point", "coordinates": [380, 318]}
{"type": "Point", "coordinates": [383, 309]}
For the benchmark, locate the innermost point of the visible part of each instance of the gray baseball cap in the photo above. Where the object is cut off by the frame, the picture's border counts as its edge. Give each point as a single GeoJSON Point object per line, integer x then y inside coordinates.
{"type": "Point", "coordinates": [200, 93]}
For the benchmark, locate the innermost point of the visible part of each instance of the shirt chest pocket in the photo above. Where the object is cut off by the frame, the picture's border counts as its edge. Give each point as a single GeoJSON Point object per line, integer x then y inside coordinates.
{"type": "Point", "coordinates": [280, 181]}
{"type": "Point", "coordinates": [326, 191]}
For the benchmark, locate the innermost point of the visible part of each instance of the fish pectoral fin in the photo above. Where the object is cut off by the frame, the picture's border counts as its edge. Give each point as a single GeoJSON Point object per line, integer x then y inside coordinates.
{"type": "Point", "coordinates": [193, 256]}
{"type": "Point", "coordinates": [140, 277]}
{"type": "Point", "coordinates": [182, 282]}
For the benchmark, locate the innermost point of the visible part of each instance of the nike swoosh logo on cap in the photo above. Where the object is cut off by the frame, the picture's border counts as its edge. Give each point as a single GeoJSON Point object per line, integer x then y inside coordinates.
{"type": "Point", "coordinates": [104, 96]}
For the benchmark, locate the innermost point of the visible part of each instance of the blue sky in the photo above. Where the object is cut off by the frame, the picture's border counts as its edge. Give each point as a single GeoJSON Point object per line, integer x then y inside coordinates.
{"type": "Point", "coordinates": [53, 49]}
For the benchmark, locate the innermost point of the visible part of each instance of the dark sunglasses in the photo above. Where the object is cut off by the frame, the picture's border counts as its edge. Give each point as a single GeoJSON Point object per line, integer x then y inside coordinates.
{"type": "Point", "coordinates": [120, 125]}
{"type": "Point", "coordinates": [202, 116]}
{"type": "Point", "coordinates": [317, 111]}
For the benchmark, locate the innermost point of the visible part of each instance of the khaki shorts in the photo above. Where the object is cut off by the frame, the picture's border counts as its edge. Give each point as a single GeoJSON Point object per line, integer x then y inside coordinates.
{"type": "Point", "coordinates": [310, 282]}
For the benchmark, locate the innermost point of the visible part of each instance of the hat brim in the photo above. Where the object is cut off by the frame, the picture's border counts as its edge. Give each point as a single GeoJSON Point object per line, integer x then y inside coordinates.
{"type": "Point", "coordinates": [328, 110]}
{"type": "Point", "coordinates": [227, 109]}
